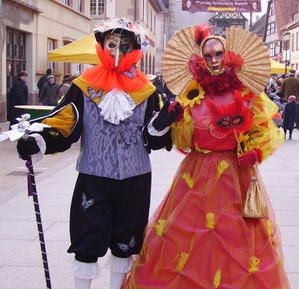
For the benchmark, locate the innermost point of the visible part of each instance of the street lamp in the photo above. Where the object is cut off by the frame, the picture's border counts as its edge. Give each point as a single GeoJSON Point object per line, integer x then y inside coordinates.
{"type": "Point", "coordinates": [286, 39]}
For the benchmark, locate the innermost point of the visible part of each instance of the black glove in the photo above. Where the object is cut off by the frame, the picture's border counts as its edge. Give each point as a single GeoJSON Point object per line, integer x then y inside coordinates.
{"type": "Point", "coordinates": [27, 146]}
{"type": "Point", "coordinates": [167, 115]}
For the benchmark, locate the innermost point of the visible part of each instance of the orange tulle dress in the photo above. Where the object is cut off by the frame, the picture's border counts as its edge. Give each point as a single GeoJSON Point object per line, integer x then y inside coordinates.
{"type": "Point", "coordinates": [198, 238]}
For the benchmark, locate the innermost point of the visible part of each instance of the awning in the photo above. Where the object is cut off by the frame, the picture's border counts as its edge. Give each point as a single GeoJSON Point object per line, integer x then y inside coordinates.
{"type": "Point", "coordinates": [277, 67]}
{"type": "Point", "coordinates": [80, 51]}
{"type": "Point", "coordinates": [83, 51]}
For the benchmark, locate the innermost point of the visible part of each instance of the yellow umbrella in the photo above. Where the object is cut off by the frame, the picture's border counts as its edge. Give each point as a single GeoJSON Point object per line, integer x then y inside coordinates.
{"type": "Point", "coordinates": [80, 51]}
{"type": "Point", "coordinates": [277, 67]}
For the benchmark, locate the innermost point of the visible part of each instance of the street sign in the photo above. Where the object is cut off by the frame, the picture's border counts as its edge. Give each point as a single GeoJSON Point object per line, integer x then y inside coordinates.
{"type": "Point", "coordinates": [221, 6]}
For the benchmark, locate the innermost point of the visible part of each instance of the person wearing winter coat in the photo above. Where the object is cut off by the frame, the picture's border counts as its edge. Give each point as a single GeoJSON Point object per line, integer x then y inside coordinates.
{"type": "Point", "coordinates": [43, 80]}
{"type": "Point", "coordinates": [289, 116]}
{"type": "Point", "coordinates": [49, 93]}
{"type": "Point", "coordinates": [18, 95]}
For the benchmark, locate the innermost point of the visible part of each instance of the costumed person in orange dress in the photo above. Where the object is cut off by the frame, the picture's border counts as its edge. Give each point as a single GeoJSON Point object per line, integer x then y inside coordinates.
{"type": "Point", "coordinates": [215, 228]}
{"type": "Point", "coordinates": [108, 107]}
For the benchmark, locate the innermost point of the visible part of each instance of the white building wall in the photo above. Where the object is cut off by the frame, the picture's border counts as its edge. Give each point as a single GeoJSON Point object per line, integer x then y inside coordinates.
{"type": "Point", "coordinates": [55, 20]}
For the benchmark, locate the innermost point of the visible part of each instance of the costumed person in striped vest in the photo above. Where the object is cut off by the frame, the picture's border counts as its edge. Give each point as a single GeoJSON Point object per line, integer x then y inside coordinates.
{"type": "Point", "coordinates": [216, 227]}
{"type": "Point", "coordinates": [108, 107]}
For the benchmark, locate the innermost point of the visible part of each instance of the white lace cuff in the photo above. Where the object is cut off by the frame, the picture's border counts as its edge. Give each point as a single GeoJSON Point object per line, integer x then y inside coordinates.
{"type": "Point", "coordinates": [152, 131]}
{"type": "Point", "coordinates": [84, 270]}
{"type": "Point", "coordinates": [121, 265]}
{"type": "Point", "coordinates": [42, 147]}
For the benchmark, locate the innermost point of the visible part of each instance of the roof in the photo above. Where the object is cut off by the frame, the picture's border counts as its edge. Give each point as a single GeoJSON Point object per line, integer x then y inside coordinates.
{"type": "Point", "coordinates": [228, 16]}
{"type": "Point", "coordinates": [283, 11]}
{"type": "Point", "coordinates": [291, 25]}
{"type": "Point", "coordinates": [259, 26]}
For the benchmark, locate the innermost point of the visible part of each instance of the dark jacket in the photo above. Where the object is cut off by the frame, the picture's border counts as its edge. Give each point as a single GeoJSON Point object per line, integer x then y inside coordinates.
{"type": "Point", "coordinates": [49, 94]}
{"type": "Point", "coordinates": [290, 86]}
{"type": "Point", "coordinates": [289, 116]}
{"type": "Point", "coordinates": [18, 95]}
{"type": "Point", "coordinates": [42, 81]}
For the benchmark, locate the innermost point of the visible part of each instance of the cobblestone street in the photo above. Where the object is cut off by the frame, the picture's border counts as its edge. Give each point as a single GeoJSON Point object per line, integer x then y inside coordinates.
{"type": "Point", "coordinates": [20, 259]}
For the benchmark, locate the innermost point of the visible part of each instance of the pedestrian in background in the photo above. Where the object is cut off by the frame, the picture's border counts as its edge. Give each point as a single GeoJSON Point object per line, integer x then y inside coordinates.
{"type": "Point", "coordinates": [42, 81]}
{"type": "Point", "coordinates": [49, 93]}
{"type": "Point", "coordinates": [64, 87]}
{"type": "Point", "coordinates": [290, 86]}
{"type": "Point", "coordinates": [18, 95]}
{"type": "Point", "coordinates": [289, 116]}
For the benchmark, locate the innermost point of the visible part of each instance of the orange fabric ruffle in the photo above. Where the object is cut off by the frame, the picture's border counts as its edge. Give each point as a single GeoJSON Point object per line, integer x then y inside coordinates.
{"type": "Point", "coordinates": [198, 238]}
{"type": "Point", "coordinates": [105, 76]}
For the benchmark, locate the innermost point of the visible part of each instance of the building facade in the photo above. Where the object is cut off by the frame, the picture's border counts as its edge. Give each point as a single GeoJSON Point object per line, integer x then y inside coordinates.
{"type": "Point", "coordinates": [281, 21]}
{"type": "Point", "coordinates": [292, 28]}
{"type": "Point", "coordinates": [31, 28]}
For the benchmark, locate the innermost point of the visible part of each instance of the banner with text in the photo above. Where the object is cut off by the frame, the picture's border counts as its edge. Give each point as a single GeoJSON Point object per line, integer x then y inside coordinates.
{"type": "Point", "coordinates": [221, 6]}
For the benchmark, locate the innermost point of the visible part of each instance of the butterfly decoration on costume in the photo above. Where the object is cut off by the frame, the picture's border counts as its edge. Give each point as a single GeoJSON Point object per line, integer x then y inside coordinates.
{"type": "Point", "coordinates": [126, 247]}
{"type": "Point", "coordinates": [228, 119]}
{"type": "Point", "coordinates": [94, 94]}
{"type": "Point", "coordinates": [86, 203]}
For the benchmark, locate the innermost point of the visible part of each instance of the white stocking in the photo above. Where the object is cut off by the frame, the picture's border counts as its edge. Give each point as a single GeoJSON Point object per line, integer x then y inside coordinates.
{"type": "Point", "coordinates": [118, 271]}
{"type": "Point", "coordinates": [84, 273]}
{"type": "Point", "coordinates": [116, 280]}
{"type": "Point", "coordinates": [82, 283]}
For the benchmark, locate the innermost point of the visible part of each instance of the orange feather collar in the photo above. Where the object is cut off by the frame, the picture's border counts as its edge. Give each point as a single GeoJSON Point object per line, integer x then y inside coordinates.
{"type": "Point", "coordinates": [125, 77]}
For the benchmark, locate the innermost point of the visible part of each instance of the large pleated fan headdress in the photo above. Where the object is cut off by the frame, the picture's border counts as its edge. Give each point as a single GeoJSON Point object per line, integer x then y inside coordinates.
{"type": "Point", "coordinates": [254, 72]}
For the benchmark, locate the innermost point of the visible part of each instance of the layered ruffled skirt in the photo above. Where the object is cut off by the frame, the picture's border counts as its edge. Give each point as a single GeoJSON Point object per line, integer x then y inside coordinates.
{"type": "Point", "coordinates": [198, 238]}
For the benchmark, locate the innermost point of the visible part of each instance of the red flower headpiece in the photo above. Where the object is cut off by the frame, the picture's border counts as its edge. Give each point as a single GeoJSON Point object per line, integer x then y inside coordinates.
{"type": "Point", "coordinates": [232, 62]}
{"type": "Point", "coordinates": [201, 32]}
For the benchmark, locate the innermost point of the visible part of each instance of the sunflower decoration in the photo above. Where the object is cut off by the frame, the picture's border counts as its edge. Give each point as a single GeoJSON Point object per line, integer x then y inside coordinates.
{"type": "Point", "coordinates": [191, 95]}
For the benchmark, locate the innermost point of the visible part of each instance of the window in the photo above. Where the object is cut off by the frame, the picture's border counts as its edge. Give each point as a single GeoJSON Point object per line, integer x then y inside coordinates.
{"type": "Point", "coordinates": [271, 12]}
{"type": "Point", "coordinates": [147, 20]}
{"type": "Point", "coordinates": [295, 16]}
{"type": "Point", "coordinates": [277, 47]}
{"type": "Point", "coordinates": [97, 7]}
{"type": "Point", "coordinates": [51, 46]}
{"type": "Point", "coordinates": [272, 49]}
{"type": "Point", "coordinates": [68, 2]}
{"type": "Point", "coordinates": [66, 66]}
{"type": "Point", "coordinates": [142, 64]}
{"type": "Point", "coordinates": [271, 28]}
{"type": "Point", "coordinates": [297, 40]}
{"type": "Point", "coordinates": [145, 65]}
{"type": "Point", "coordinates": [293, 41]}
{"type": "Point", "coordinates": [78, 69]}
{"type": "Point", "coordinates": [81, 6]}
{"type": "Point", "coordinates": [150, 64]}
{"type": "Point", "coordinates": [15, 55]}
{"type": "Point", "coordinates": [151, 19]}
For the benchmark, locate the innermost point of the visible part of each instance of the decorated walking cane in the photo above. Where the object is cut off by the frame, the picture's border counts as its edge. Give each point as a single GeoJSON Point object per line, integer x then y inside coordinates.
{"type": "Point", "coordinates": [33, 192]}
{"type": "Point", "coordinates": [18, 130]}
